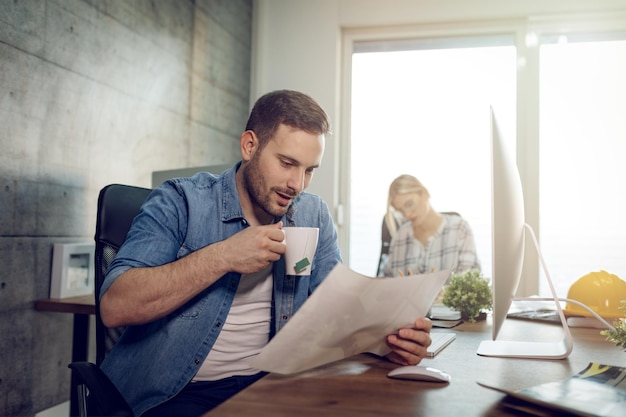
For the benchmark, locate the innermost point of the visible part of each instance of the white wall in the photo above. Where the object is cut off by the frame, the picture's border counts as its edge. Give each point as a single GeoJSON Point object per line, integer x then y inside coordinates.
{"type": "Point", "coordinates": [298, 46]}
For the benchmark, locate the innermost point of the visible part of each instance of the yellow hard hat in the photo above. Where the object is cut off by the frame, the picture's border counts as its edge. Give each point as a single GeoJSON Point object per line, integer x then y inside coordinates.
{"type": "Point", "coordinates": [600, 291]}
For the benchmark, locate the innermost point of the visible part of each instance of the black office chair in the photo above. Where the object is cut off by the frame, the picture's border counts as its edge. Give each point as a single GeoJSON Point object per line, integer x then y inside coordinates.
{"type": "Point", "coordinates": [385, 241]}
{"type": "Point", "coordinates": [117, 207]}
{"type": "Point", "coordinates": [385, 237]}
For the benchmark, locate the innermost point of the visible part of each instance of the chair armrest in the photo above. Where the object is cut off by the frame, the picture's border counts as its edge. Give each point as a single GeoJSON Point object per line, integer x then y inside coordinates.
{"type": "Point", "coordinates": [103, 395]}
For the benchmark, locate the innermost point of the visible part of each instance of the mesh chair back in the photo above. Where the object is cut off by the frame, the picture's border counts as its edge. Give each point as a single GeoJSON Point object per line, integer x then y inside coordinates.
{"type": "Point", "coordinates": [117, 207]}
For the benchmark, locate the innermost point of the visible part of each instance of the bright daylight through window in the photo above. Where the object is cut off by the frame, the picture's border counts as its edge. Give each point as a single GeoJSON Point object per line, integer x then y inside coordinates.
{"type": "Point", "coordinates": [582, 156]}
{"type": "Point", "coordinates": [424, 111]}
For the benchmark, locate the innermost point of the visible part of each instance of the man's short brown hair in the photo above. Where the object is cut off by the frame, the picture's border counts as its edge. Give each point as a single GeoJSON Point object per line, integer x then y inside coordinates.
{"type": "Point", "coordinates": [287, 107]}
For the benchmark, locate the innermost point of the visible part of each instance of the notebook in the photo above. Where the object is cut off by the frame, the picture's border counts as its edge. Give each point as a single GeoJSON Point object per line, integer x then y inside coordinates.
{"type": "Point", "coordinates": [440, 341]}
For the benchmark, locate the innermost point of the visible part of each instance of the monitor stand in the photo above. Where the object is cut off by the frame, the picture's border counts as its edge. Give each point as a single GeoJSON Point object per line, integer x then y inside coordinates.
{"type": "Point", "coordinates": [533, 350]}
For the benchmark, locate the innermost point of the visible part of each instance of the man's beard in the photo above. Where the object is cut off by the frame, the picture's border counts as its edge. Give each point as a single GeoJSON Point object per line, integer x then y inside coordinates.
{"type": "Point", "coordinates": [254, 182]}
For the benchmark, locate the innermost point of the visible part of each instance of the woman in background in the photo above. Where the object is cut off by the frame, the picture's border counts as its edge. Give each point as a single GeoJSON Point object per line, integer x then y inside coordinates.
{"type": "Point", "coordinates": [428, 241]}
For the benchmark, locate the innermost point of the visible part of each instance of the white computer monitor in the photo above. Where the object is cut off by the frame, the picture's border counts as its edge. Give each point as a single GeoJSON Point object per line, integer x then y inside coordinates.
{"type": "Point", "coordinates": [509, 230]}
{"type": "Point", "coordinates": [507, 225]}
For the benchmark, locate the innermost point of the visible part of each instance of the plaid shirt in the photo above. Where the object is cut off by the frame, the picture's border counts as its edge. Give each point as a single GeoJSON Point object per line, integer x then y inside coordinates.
{"type": "Point", "coordinates": [451, 247]}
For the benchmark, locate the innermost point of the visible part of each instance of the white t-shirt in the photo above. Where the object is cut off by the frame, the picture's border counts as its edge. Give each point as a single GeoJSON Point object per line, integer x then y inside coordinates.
{"type": "Point", "coordinates": [245, 332]}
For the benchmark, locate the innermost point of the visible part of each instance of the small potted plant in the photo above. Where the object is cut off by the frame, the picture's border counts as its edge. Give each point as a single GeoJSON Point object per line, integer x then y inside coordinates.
{"type": "Point", "coordinates": [469, 293]}
{"type": "Point", "coordinates": [617, 336]}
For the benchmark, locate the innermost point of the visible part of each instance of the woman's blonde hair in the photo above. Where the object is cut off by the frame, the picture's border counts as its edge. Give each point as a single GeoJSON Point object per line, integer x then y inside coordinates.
{"type": "Point", "coordinates": [404, 184]}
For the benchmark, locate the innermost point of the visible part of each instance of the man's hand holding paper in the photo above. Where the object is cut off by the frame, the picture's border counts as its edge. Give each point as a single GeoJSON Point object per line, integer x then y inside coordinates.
{"type": "Point", "coordinates": [409, 346]}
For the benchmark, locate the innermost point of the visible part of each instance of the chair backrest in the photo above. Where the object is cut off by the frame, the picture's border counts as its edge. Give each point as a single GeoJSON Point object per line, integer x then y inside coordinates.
{"type": "Point", "coordinates": [117, 207]}
{"type": "Point", "coordinates": [385, 240]}
{"type": "Point", "coordinates": [385, 237]}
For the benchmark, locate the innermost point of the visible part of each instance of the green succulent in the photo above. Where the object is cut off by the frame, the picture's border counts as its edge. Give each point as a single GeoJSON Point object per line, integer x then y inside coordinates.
{"type": "Point", "coordinates": [468, 293]}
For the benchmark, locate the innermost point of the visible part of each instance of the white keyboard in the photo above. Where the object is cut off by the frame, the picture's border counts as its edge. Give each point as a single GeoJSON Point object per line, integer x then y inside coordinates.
{"type": "Point", "coordinates": [440, 341]}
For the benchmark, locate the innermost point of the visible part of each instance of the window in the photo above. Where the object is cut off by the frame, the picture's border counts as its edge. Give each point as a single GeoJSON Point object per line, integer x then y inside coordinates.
{"type": "Point", "coordinates": [422, 108]}
{"type": "Point", "coordinates": [582, 156]}
{"type": "Point", "coordinates": [419, 107]}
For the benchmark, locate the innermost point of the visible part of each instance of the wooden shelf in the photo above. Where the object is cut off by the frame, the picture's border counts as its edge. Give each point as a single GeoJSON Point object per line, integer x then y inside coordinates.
{"type": "Point", "coordinates": [84, 304]}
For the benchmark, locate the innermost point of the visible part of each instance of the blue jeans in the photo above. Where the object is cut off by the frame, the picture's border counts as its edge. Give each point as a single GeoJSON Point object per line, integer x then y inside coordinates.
{"type": "Point", "coordinates": [200, 397]}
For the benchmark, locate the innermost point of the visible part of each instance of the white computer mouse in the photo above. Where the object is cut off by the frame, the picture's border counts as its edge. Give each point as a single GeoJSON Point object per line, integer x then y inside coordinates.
{"type": "Point", "coordinates": [419, 373]}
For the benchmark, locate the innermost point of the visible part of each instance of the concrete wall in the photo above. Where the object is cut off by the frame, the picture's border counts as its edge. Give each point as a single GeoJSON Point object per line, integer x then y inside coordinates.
{"type": "Point", "coordinates": [94, 92]}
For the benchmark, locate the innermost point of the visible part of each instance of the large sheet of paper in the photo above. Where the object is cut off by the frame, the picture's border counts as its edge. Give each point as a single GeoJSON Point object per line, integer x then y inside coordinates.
{"type": "Point", "coordinates": [347, 314]}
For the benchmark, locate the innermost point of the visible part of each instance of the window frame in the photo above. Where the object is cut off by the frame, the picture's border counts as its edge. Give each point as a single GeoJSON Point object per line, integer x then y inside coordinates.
{"type": "Point", "coordinates": [526, 32]}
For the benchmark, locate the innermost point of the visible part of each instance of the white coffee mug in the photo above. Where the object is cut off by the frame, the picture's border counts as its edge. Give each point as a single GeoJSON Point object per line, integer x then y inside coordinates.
{"type": "Point", "coordinates": [301, 245]}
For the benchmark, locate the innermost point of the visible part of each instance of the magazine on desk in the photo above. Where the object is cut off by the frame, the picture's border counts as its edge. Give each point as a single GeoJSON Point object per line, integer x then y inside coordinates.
{"type": "Point", "coordinates": [598, 390]}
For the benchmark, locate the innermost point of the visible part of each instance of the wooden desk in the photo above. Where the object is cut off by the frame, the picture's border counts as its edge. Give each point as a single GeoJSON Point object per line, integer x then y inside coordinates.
{"type": "Point", "coordinates": [84, 304]}
{"type": "Point", "coordinates": [81, 307]}
{"type": "Point", "coordinates": [358, 386]}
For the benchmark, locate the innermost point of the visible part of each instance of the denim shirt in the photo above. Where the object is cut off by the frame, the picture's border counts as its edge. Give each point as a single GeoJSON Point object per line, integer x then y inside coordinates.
{"type": "Point", "coordinates": [152, 362]}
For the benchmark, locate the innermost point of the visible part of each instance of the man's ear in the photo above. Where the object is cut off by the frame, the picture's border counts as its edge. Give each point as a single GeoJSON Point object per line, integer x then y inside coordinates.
{"type": "Point", "coordinates": [249, 143]}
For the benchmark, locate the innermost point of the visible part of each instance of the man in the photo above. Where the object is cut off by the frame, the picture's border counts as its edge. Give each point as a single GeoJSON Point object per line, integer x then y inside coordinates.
{"type": "Point", "coordinates": [200, 281]}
